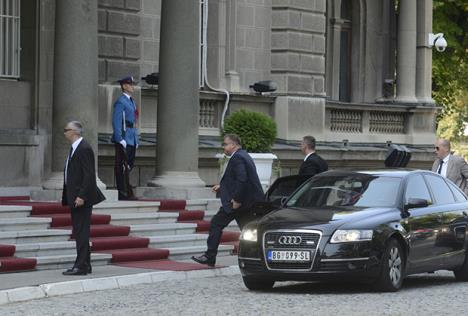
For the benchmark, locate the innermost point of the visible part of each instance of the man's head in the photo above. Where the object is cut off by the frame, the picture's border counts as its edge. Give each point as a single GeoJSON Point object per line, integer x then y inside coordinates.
{"type": "Point", "coordinates": [308, 144]}
{"type": "Point", "coordinates": [231, 144]}
{"type": "Point", "coordinates": [127, 84]}
{"type": "Point", "coordinates": [72, 131]}
{"type": "Point", "coordinates": [442, 148]}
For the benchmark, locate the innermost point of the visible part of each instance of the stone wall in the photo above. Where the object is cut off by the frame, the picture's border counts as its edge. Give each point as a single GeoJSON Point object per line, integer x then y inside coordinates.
{"type": "Point", "coordinates": [119, 45]}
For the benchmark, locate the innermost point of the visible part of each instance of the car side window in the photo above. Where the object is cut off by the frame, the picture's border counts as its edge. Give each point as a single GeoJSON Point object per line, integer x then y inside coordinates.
{"type": "Point", "coordinates": [416, 189]}
{"type": "Point", "coordinates": [459, 197]}
{"type": "Point", "coordinates": [440, 189]}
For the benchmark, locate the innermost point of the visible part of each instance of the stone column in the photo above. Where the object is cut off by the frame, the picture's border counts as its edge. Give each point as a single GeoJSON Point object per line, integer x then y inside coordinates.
{"type": "Point", "coordinates": [178, 101]}
{"type": "Point", "coordinates": [406, 52]}
{"type": "Point", "coordinates": [75, 80]}
{"type": "Point", "coordinates": [424, 53]}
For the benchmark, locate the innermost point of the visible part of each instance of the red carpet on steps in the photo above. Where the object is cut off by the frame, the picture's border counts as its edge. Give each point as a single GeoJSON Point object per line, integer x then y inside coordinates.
{"type": "Point", "coordinates": [166, 265]}
{"type": "Point", "coordinates": [9, 263]}
{"type": "Point", "coordinates": [122, 242]}
{"type": "Point", "coordinates": [168, 205]}
{"type": "Point", "coordinates": [60, 220]}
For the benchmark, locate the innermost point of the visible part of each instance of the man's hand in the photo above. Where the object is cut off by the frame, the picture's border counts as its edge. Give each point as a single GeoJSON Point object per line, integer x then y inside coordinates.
{"type": "Point", "coordinates": [235, 205]}
{"type": "Point", "coordinates": [215, 188]}
{"type": "Point", "coordinates": [79, 202]}
{"type": "Point", "coordinates": [123, 143]}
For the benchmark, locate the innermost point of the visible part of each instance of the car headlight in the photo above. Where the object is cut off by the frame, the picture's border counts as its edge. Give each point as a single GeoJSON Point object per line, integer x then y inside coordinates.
{"type": "Point", "coordinates": [351, 235]}
{"type": "Point", "coordinates": [249, 234]}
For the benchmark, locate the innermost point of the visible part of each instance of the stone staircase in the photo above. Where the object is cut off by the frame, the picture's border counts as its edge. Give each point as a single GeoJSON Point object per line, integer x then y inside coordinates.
{"type": "Point", "coordinates": [121, 231]}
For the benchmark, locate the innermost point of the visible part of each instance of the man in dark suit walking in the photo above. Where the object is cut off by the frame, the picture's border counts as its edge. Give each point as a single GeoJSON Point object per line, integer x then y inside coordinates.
{"type": "Point", "coordinates": [313, 163]}
{"type": "Point", "coordinates": [239, 189]}
{"type": "Point", "coordinates": [80, 193]}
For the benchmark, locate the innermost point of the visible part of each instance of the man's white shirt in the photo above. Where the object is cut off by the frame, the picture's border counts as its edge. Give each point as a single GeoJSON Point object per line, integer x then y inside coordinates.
{"type": "Point", "coordinates": [443, 171]}
{"type": "Point", "coordinates": [74, 146]}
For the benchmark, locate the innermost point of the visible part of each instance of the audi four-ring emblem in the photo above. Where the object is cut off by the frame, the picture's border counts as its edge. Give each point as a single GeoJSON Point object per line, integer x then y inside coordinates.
{"type": "Point", "coordinates": [290, 240]}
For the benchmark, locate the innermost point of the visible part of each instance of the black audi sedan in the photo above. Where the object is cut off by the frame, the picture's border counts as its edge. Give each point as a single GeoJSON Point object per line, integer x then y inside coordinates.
{"type": "Point", "coordinates": [371, 226]}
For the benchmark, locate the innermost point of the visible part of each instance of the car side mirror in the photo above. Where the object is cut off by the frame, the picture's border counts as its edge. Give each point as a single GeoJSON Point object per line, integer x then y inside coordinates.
{"type": "Point", "coordinates": [416, 203]}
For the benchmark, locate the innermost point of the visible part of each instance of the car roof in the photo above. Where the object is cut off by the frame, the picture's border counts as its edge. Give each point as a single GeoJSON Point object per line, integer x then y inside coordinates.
{"type": "Point", "coordinates": [399, 173]}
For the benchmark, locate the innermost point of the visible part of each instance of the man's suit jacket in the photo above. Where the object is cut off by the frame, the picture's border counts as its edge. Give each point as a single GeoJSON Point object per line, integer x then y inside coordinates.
{"type": "Point", "coordinates": [457, 171]}
{"type": "Point", "coordinates": [81, 178]}
{"type": "Point", "coordinates": [313, 165]}
{"type": "Point", "coordinates": [124, 111]}
{"type": "Point", "coordinates": [240, 182]}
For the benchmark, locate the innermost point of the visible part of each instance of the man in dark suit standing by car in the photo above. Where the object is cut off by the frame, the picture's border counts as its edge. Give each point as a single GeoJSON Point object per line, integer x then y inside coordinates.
{"type": "Point", "coordinates": [450, 166]}
{"type": "Point", "coordinates": [80, 193]}
{"type": "Point", "coordinates": [239, 189]}
{"type": "Point", "coordinates": [313, 164]}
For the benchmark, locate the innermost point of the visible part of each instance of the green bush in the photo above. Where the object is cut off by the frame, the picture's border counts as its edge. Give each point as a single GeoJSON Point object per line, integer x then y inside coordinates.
{"type": "Point", "coordinates": [256, 130]}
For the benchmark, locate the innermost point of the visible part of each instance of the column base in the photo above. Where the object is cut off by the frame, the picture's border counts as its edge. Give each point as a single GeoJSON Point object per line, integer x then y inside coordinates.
{"type": "Point", "coordinates": [52, 189]}
{"type": "Point", "coordinates": [177, 179]}
{"type": "Point", "coordinates": [174, 193]}
{"type": "Point", "coordinates": [56, 195]}
{"type": "Point", "coordinates": [406, 100]}
{"type": "Point", "coordinates": [175, 185]}
{"type": "Point", "coordinates": [55, 182]}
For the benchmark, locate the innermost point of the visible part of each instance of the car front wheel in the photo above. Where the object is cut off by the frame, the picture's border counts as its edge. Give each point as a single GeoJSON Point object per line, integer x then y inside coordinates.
{"type": "Point", "coordinates": [255, 284]}
{"type": "Point", "coordinates": [393, 268]}
{"type": "Point", "coordinates": [461, 274]}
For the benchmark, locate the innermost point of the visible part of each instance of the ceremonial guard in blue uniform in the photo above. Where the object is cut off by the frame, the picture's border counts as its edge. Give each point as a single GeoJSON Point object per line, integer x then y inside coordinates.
{"type": "Point", "coordinates": [125, 137]}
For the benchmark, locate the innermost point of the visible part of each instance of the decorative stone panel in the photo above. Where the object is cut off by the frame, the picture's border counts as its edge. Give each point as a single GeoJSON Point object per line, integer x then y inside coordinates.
{"type": "Point", "coordinates": [346, 121]}
{"type": "Point", "coordinates": [387, 122]}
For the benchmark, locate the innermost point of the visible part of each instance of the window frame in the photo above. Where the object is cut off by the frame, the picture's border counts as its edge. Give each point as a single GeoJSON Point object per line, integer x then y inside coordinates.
{"type": "Point", "coordinates": [10, 38]}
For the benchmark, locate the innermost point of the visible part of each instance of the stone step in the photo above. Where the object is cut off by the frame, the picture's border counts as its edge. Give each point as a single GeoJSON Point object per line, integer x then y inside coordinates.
{"type": "Point", "coordinates": [13, 211]}
{"type": "Point", "coordinates": [112, 208]}
{"type": "Point", "coordinates": [67, 261]}
{"type": "Point", "coordinates": [232, 225]}
{"type": "Point", "coordinates": [144, 218]}
{"type": "Point", "coordinates": [27, 223]}
{"type": "Point", "coordinates": [181, 253]}
{"type": "Point", "coordinates": [171, 241]}
{"type": "Point", "coordinates": [34, 236]}
{"type": "Point", "coordinates": [162, 229]}
{"type": "Point", "coordinates": [194, 205]}
{"type": "Point", "coordinates": [44, 249]}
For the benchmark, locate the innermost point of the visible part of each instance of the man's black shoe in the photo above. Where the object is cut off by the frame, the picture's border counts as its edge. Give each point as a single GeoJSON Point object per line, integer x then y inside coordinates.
{"type": "Point", "coordinates": [204, 259]}
{"type": "Point", "coordinates": [74, 271]}
{"type": "Point", "coordinates": [90, 270]}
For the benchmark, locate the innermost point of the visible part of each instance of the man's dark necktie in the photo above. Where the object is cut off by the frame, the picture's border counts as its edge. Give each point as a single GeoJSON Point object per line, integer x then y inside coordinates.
{"type": "Point", "coordinates": [68, 162]}
{"type": "Point", "coordinates": [439, 170]}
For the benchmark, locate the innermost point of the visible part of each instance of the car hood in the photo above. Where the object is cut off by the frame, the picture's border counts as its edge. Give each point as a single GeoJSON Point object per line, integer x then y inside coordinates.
{"type": "Point", "coordinates": [326, 219]}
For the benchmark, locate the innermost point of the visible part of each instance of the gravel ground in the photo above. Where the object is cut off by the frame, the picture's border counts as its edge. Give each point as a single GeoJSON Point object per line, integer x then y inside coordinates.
{"type": "Point", "coordinates": [421, 295]}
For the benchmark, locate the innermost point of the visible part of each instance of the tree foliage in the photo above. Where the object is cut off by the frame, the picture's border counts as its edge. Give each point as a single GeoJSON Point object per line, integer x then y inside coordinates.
{"type": "Point", "coordinates": [450, 68]}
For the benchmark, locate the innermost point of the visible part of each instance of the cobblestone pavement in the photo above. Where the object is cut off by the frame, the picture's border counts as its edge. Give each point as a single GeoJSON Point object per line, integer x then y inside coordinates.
{"type": "Point", "coordinates": [421, 295]}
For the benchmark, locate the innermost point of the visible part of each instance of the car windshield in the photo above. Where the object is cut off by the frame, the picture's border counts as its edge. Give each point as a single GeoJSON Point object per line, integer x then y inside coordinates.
{"type": "Point", "coordinates": [357, 190]}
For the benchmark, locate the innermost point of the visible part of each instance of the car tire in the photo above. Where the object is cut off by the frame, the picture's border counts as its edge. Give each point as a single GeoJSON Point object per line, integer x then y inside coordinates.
{"type": "Point", "coordinates": [392, 269]}
{"type": "Point", "coordinates": [255, 284]}
{"type": "Point", "coordinates": [461, 274]}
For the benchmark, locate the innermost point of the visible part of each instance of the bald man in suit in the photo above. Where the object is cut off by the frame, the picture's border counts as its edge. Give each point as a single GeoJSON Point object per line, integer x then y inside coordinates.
{"type": "Point", "coordinates": [450, 166]}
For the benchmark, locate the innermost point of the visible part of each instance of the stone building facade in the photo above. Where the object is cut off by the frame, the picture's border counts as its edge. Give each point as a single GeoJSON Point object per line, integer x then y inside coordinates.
{"type": "Point", "coordinates": [356, 74]}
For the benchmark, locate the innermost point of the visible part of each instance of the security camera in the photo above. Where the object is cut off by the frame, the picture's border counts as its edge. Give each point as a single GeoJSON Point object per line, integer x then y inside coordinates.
{"type": "Point", "coordinates": [438, 41]}
{"type": "Point", "coordinates": [264, 86]}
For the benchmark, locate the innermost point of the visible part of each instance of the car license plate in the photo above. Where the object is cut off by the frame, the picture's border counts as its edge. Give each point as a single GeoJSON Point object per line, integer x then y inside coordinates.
{"type": "Point", "coordinates": [288, 255]}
